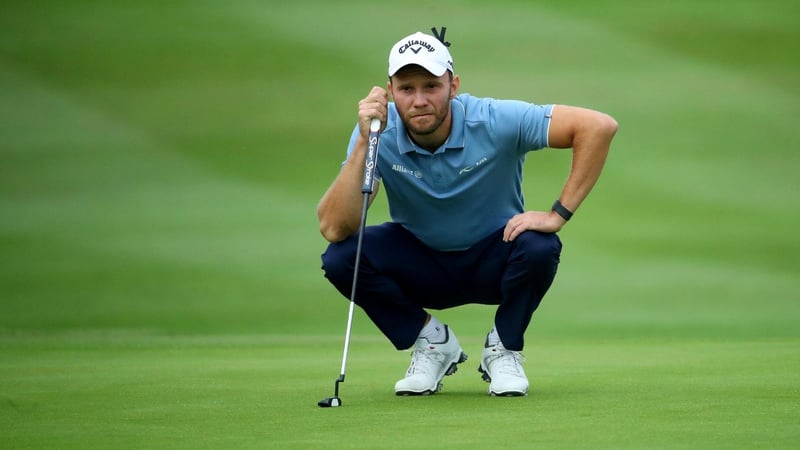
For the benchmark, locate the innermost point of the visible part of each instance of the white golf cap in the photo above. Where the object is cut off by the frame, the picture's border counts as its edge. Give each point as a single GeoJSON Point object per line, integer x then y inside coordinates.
{"type": "Point", "coordinates": [422, 50]}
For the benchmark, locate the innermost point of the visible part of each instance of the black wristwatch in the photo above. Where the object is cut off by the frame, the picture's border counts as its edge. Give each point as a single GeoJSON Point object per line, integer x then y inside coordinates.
{"type": "Point", "coordinates": [561, 210]}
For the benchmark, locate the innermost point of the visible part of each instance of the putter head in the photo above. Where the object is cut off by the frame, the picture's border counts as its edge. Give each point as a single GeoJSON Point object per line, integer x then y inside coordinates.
{"type": "Point", "coordinates": [330, 402]}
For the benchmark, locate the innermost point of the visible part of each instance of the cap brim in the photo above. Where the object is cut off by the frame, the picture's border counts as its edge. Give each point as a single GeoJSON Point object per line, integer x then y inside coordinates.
{"type": "Point", "coordinates": [435, 69]}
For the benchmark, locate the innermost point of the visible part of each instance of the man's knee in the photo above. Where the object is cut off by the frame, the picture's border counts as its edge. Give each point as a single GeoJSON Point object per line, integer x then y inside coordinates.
{"type": "Point", "coordinates": [537, 248]}
{"type": "Point", "coordinates": [338, 261]}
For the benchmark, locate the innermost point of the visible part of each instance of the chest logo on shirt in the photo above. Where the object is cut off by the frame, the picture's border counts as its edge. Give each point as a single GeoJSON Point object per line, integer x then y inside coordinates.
{"type": "Point", "coordinates": [468, 169]}
{"type": "Point", "coordinates": [401, 169]}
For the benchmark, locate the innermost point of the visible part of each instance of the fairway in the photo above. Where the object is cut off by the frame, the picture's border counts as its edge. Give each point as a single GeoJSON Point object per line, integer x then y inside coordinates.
{"type": "Point", "coordinates": [160, 282]}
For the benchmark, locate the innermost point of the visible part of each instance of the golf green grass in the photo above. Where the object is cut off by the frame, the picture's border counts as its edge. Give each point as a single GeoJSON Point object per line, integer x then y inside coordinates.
{"type": "Point", "coordinates": [160, 165]}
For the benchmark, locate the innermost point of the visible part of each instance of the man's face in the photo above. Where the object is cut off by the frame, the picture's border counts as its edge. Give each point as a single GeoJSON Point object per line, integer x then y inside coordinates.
{"type": "Point", "coordinates": [422, 99]}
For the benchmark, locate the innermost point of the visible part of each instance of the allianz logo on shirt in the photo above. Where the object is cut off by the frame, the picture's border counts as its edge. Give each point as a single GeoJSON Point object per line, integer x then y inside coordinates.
{"type": "Point", "coordinates": [401, 169]}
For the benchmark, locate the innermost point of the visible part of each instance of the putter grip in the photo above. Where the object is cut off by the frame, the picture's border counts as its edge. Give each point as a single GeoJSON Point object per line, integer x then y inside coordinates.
{"type": "Point", "coordinates": [372, 156]}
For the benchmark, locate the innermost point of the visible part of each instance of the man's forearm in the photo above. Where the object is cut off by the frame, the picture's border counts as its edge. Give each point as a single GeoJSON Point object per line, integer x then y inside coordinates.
{"type": "Point", "coordinates": [590, 150]}
{"type": "Point", "coordinates": [339, 210]}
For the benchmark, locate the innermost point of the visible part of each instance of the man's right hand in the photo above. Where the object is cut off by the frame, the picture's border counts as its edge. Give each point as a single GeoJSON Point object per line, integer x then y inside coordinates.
{"type": "Point", "coordinates": [373, 106]}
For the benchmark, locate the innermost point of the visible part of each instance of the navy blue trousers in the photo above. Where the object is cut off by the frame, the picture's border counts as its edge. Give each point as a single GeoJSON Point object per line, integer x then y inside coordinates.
{"type": "Point", "coordinates": [399, 277]}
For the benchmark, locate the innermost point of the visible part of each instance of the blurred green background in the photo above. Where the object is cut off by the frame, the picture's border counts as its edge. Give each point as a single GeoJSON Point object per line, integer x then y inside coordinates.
{"type": "Point", "coordinates": [160, 165]}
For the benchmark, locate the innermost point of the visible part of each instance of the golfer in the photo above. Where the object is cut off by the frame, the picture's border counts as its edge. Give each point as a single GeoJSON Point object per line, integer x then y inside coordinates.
{"type": "Point", "coordinates": [451, 166]}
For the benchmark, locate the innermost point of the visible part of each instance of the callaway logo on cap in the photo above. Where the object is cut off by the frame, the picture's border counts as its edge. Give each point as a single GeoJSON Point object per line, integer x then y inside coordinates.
{"type": "Point", "coordinates": [423, 50]}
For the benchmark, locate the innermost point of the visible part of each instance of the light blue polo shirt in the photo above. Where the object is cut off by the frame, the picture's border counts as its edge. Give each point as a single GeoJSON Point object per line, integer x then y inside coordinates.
{"type": "Point", "coordinates": [471, 185]}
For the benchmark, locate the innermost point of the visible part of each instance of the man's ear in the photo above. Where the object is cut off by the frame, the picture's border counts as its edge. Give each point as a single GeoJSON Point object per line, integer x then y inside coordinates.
{"type": "Point", "coordinates": [454, 84]}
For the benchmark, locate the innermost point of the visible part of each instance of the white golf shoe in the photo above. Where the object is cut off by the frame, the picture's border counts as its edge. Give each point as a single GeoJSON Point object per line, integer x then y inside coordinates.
{"type": "Point", "coordinates": [502, 369]}
{"type": "Point", "coordinates": [430, 362]}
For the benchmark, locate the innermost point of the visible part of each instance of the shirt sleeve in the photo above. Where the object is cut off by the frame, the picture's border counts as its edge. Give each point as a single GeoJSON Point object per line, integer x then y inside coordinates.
{"type": "Point", "coordinates": [351, 144]}
{"type": "Point", "coordinates": [528, 124]}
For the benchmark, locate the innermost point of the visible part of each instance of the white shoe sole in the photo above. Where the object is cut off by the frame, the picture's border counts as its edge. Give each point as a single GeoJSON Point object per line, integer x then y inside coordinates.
{"type": "Point", "coordinates": [508, 393]}
{"type": "Point", "coordinates": [453, 368]}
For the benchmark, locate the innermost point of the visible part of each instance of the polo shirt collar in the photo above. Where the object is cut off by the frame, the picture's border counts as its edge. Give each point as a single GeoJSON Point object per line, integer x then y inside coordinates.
{"type": "Point", "coordinates": [454, 142]}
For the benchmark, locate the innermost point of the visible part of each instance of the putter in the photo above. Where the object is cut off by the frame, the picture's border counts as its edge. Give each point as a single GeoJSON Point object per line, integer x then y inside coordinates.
{"type": "Point", "coordinates": [366, 189]}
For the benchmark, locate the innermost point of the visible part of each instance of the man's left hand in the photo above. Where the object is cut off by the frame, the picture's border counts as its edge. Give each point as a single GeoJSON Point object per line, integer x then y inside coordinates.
{"type": "Point", "coordinates": [546, 222]}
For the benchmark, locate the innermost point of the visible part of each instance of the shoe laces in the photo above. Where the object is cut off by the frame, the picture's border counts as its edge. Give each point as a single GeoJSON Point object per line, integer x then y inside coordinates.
{"type": "Point", "coordinates": [507, 361]}
{"type": "Point", "coordinates": [423, 358]}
